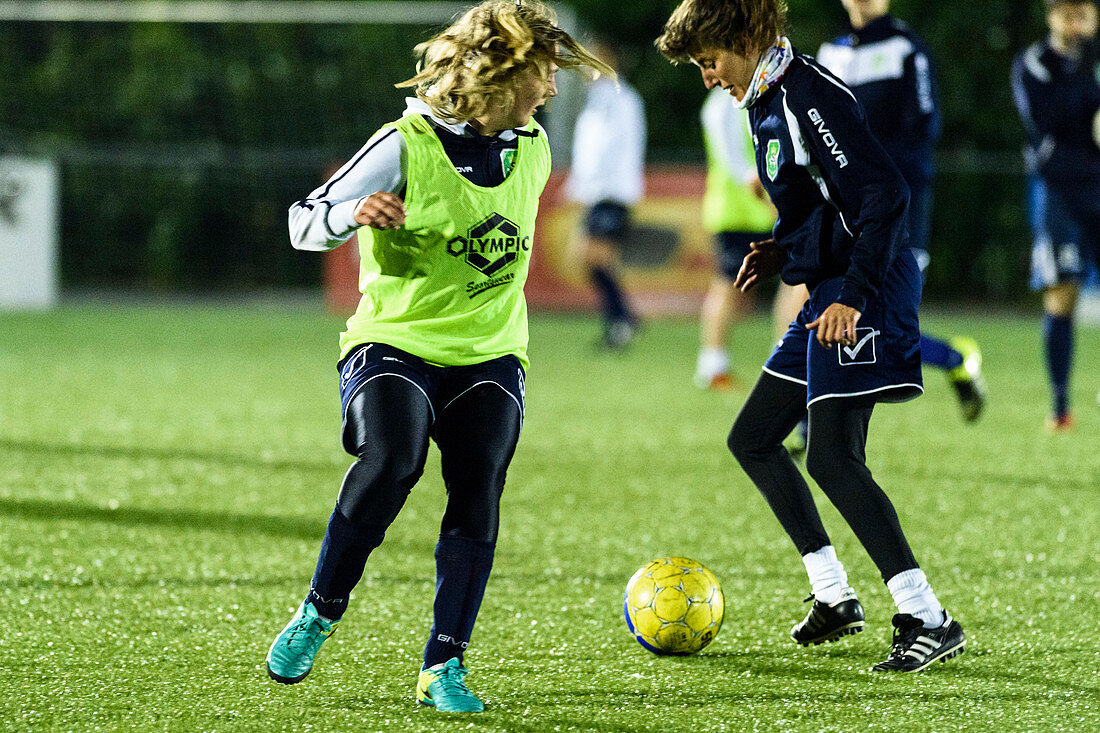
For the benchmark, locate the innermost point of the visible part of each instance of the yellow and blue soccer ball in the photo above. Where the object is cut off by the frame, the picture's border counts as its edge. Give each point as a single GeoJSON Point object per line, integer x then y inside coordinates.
{"type": "Point", "coordinates": [674, 606]}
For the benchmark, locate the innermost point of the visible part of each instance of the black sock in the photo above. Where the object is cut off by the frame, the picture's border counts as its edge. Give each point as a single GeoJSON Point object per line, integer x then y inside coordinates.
{"type": "Point", "coordinates": [611, 296]}
{"type": "Point", "coordinates": [1058, 349]}
{"type": "Point", "coordinates": [344, 552]}
{"type": "Point", "coordinates": [462, 569]}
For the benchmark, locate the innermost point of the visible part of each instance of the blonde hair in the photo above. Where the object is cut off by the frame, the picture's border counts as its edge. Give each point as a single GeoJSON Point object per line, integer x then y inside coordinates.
{"type": "Point", "coordinates": [476, 62]}
{"type": "Point", "coordinates": [727, 25]}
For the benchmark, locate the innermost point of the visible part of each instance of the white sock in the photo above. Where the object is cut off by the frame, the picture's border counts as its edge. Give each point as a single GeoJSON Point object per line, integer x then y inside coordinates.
{"type": "Point", "coordinates": [712, 361]}
{"type": "Point", "coordinates": [827, 576]}
{"type": "Point", "coordinates": [913, 595]}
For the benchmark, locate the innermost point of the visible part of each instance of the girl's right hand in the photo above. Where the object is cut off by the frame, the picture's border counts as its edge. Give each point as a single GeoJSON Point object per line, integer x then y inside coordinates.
{"type": "Point", "coordinates": [380, 210]}
{"type": "Point", "coordinates": [764, 260]}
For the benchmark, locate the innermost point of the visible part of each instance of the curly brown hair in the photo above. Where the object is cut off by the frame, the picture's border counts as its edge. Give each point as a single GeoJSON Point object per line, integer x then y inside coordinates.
{"type": "Point", "coordinates": [476, 62]}
{"type": "Point", "coordinates": [733, 25]}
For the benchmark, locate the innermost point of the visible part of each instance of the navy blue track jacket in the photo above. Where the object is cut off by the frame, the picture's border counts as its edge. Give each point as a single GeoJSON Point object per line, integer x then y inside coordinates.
{"type": "Point", "coordinates": [890, 71]}
{"type": "Point", "coordinates": [841, 200]}
{"type": "Point", "coordinates": [1057, 98]}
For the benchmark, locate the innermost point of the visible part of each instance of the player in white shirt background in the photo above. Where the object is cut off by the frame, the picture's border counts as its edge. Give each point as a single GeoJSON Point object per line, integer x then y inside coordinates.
{"type": "Point", "coordinates": [736, 210]}
{"type": "Point", "coordinates": [607, 177]}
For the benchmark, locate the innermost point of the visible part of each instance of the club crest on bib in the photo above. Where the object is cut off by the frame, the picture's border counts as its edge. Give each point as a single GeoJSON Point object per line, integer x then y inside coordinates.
{"type": "Point", "coordinates": [508, 160]}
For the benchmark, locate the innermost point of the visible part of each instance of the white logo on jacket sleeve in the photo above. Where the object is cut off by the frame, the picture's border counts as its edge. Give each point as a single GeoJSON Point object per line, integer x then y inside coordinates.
{"type": "Point", "coordinates": [864, 350]}
{"type": "Point", "coordinates": [827, 137]}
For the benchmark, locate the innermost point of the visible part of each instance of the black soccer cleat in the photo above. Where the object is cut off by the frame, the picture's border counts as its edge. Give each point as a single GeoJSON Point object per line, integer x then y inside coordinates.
{"type": "Point", "coordinates": [829, 622]}
{"type": "Point", "coordinates": [916, 647]}
{"type": "Point", "coordinates": [967, 379]}
{"type": "Point", "coordinates": [971, 396]}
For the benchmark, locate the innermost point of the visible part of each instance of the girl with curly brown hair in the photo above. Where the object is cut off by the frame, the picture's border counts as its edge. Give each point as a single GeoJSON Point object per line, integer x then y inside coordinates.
{"type": "Point", "coordinates": [444, 201]}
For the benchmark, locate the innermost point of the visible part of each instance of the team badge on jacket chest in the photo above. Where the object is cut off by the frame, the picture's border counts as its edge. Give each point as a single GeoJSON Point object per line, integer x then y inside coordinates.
{"type": "Point", "coordinates": [771, 160]}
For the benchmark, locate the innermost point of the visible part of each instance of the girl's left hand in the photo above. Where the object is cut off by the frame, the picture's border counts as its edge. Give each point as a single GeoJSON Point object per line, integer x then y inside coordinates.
{"type": "Point", "coordinates": [764, 260]}
{"type": "Point", "coordinates": [837, 325]}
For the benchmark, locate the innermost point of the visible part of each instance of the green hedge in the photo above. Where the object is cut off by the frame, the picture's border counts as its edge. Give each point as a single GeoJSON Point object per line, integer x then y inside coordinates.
{"type": "Point", "coordinates": [182, 145]}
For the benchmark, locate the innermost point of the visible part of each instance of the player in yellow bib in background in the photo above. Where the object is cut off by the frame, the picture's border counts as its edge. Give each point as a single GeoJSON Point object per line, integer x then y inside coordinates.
{"type": "Point", "coordinates": [736, 210]}
{"type": "Point", "coordinates": [444, 201]}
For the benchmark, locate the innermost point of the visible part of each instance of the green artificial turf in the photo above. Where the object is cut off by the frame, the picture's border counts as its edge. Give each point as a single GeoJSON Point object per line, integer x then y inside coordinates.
{"type": "Point", "coordinates": [166, 474]}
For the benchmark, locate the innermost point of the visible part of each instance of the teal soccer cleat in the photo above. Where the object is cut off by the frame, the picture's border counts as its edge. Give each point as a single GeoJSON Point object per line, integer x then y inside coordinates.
{"type": "Point", "coordinates": [442, 687]}
{"type": "Point", "coordinates": [291, 655]}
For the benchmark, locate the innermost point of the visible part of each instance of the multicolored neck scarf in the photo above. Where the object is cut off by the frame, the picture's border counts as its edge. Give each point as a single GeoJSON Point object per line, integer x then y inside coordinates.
{"type": "Point", "coordinates": [772, 65]}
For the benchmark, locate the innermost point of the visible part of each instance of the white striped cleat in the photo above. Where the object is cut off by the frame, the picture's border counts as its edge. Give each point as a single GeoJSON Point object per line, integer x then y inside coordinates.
{"type": "Point", "coordinates": [829, 622]}
{"type": "Point", "coordinates": [916, 647]}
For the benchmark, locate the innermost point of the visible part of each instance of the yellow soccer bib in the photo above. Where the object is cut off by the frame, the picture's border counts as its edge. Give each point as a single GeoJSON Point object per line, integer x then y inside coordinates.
{"type": "Point", "coordinates": [448, 286]}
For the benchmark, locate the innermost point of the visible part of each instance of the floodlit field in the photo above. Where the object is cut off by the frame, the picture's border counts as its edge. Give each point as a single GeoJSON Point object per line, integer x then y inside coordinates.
{"type": "Point", "coordinates": [166, 475]}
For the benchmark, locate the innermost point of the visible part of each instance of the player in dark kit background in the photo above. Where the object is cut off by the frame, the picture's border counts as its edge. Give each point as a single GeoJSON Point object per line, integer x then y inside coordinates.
{"type": "Point", "coordinates": [1056, 84]}
{"type": "Point", "coordinates": [841, 230]}
{"type": "Point", "coordinates": [889, 70]}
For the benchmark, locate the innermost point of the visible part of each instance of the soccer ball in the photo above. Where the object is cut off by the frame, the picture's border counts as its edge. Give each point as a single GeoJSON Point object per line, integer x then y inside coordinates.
{"type": "Point", "coordinates": [673, 606]}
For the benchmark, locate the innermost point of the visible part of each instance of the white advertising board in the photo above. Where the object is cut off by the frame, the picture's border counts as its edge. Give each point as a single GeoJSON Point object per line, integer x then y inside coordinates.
{"type": "Point", "coordinates": [29, 213]}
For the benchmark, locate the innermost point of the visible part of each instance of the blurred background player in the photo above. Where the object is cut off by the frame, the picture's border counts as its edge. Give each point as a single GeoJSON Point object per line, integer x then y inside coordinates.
{"type": "Point", "coordinates": [888, 68]}
{"type": "Point", "coordinates": [736, 210]}
{"type": "Point", "coordinates": [1056, 84]}
{"type": "Point", "coordinates": [841, 230]}
{"type": "Point", "coordinates": [607, 177]}
{"type": "Point", "coordinates": [438, 346]}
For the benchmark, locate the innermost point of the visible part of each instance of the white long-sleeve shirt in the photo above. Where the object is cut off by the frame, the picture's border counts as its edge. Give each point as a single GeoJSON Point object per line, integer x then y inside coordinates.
{"type": "Point", "coordinates": [608, 146]}
{"type": "Point", "coordinates": [325, 219]}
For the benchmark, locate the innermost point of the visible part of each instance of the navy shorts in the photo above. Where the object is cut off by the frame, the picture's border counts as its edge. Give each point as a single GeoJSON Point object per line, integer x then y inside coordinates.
{"type": "Point", "coordinates": [440, 385]}
{"type": "Point", "coordinates": [730, 249]}
{"type": "Point", "coordinates": [885, 361]}
{"type": "Point", "coordinates": [608, 220]}
{"type": "Point", "coordinates": [1066, 223]}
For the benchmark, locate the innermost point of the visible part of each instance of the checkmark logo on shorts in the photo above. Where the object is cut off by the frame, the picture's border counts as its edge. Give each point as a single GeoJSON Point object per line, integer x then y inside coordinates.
{"type": "Point", "coordinates": [864, 350]}
{"type": "Point", "coordinates": [356, 362]}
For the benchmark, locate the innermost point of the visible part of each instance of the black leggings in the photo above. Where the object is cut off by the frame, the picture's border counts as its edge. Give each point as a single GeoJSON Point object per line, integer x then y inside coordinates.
{"type": "Point", "coordinates": [835, 459]}
{"type": "Point", "coordinates": [389, 422]}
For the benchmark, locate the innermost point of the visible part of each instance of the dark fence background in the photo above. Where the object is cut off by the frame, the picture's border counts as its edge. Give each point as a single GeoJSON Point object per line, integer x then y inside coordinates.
{"type": "Point", "coordinates": [183, 144]}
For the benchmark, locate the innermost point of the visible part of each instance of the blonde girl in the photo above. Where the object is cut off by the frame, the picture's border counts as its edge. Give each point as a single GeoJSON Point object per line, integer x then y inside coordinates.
{"type": "Point", "coordinates": [444, 201]}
